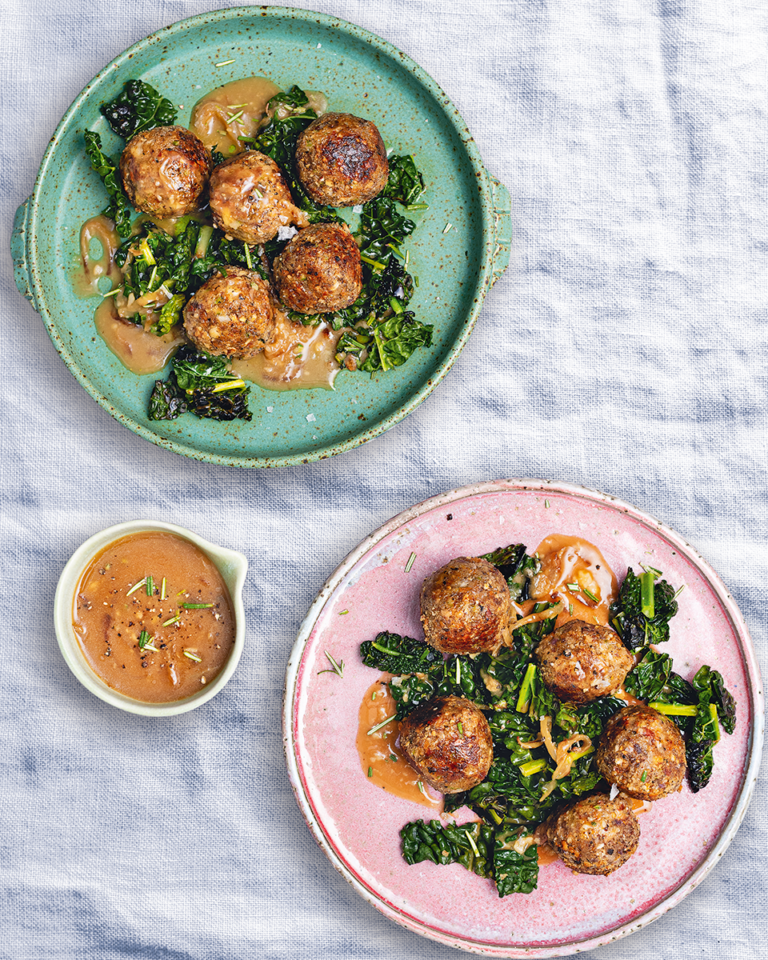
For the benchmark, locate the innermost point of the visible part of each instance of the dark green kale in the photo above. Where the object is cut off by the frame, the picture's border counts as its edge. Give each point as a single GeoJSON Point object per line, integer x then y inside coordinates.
{"type": "Point", "coordinates": [647, 679]}
{"type": "Point", "coordinates": [232, 405]}
{"type": "Point", "coordinates": [583, 777]}
{"type": "Point", "coordinates": [541, 702]}
{"type": "Point", "coordinates": [398, 655]}
{"type": "Point", "coordinates": [643, 610]}
{"type": "Point", "coordinates": [460, 677]}
{"type": "Point", "coordinates": [508, 794]}
{"type": "Point", "coordinates": [295, 97]}
{"type": "Point", "coordinates": [382, 329]}
{"type": "Point", "coordinates": [138, 107]}
{"type": "Point", "coordinates": [470, 844]}
{"type": "Point", "coordinates": [170, 315]}
{"type": "Point", "coordinates": [382, 230]}
{"type": "Point", "coordinates": [404, 183]}
{"type": "Point", "coordinates": [202, 384]}
{"type": "Point", "coordinates": [514, 872]}
{"type": "Point", "coordinates": [709, 684]}
{"type": "Point", "coordinates": [410, 692]}
{"type": "Point", "coordinates": [592, 717]}
{"type": "Point", "coordinates": [167, 402]}
{"type": "Point", "coordinates": [478, 848]}
{"type": "Point", "coordinates": [516, 566]}
{"type": "Point", "coordinates": [715, 704]}
{"type": "Point", "coordinates": [513, 729]}
{"type": "Point", "coordinates": [180, 263]}
{"type": "Point", "coordinates": [119, 208]}
{"type": "Point", "coordinates": [394, 340]}
{"type": "Point", "coordinates": [700, 761]}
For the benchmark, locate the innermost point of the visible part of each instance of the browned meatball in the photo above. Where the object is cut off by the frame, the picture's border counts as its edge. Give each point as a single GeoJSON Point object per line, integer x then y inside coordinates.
{"type": "Point", "coordinates": [341, 160]}
{"type": "Point", "coordinates": [583, 661]}
{"type": "Point", "coordinates": [595, 834]}
{"type": "Point", "coordinates": [250, 199]}
{"type": "Point", "coordinates": [231, 315]}
{"type": "Point", "coordinates": [164, 171]}
{"type": "Point", "coordinates": [465, 607]}
{"type": "Point", "coordinates": [319, 271]}
{"type": "Point", "coordinates": [448, 742]}
{"type": "Point", "coordinates": [642, 752]}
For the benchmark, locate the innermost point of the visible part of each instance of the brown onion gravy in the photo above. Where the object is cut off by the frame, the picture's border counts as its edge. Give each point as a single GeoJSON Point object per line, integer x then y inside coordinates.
{"type": "Point", "coordinates": [184, 647]}
{"type": "Point", "coordinates": [298, 356]}
{"type": "Point", "coordinates": [230, 112]}
{"type": "Point", "coordinates": [227, 114]}
{"type": "Point", "coordinates": [89, 270]}
{"type": "Point", "coordinates": [137, 349]}
{"type": "Point", "coordinates": [380, 756]}
{"type": "Point", "coordinates": [571, 560]}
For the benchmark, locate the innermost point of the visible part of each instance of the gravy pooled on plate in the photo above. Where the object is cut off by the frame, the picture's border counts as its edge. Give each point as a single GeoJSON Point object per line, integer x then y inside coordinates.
{"type": "Point", "coordinates": [153, 617]}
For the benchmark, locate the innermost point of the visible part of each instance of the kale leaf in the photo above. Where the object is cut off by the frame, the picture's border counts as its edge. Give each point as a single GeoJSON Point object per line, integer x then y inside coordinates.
{"type": "Point", "coordinates": [195, 383]}
{"type": "Point", "coordinates": [119, 208]}
{"type": "Point", "coordinates": [181, 263]}
{"type": "Point", "coordinates": [391, 342]}
{"type": "Point", "coordinates": [295, 97]}
{"type": "Point", "coordinates": [138, 107]}
{"type": "Point", "coordinates": [410, 692]}
{"type": "Point", "coordinates": [514, 872]}
{"type": "Point", "coordinates": [709, 683]}
{"type": "Point", "coordinates": [714, 703]}
{"type": "Point", "coordinates": [470, 844]}
{"type": "Point", "coordinates": [382, 230]}
{"type": "Point", "coordinates": [516, 566]}
{"type": "Point", "coordinates": [476, 847]}
{"type": "Point", "coordinates": [405, 183]}
{"type": "Point", "coordinates": [700, 761]}
{"type": "Point", "coordinates": [398, 655]}
{"type": "Point", "coordinates": [592, 717]}
{"type": "Point", "coordinates": [649, 676]}
{"type": "Point", "coordinates": [166, 401]}
{"type": "Point", "coordinates": [635, 627]}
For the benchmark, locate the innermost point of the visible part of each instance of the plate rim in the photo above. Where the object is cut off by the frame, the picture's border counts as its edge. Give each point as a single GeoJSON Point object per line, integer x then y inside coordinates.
{"type": "Point", "coordinates": [485, 276]}
{"type": "Point", "coordinates": [754, 743]}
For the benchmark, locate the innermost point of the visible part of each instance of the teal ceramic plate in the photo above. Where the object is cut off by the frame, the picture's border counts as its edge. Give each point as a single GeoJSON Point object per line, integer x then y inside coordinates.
{"type": "Point", "coordinates": [359, 73]}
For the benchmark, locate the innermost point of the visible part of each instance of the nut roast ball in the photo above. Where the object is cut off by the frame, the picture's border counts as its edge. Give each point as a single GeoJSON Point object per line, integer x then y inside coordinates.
{"type": "Point", "coordinates": [642, 752]}
{"type": "Point", "coordinates": [231, 315]}
{"type": "Point", "coordinates": [465, 607]}
{"type": "Point", "coordinates": [341, 160]}
{"type": "Point", "coordinates": [319, 270]}
{"type": "Point", "coordinates": [165, 171]}
{"type": "Point", "coordinates": [447, 740]}
{"type": "Point", "coordinates": [595, 834]}
{"type": "Point", "coordinates": [583, 661]}
{"type": "Point", "coordinates": [250, 199]}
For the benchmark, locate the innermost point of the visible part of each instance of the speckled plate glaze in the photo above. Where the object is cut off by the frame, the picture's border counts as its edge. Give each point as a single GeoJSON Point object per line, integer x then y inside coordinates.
{"type": "Point", "coordinates": [360, 73]}
{"type": "Point", "coordinates": [357, 824]}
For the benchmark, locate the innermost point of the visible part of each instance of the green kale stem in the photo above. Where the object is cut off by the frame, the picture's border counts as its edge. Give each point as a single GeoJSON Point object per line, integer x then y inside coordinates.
{"type": "Point", "coordinates": [647, 580]}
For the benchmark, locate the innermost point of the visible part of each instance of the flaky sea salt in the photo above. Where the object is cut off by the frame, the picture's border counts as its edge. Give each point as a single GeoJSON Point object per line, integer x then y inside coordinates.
{"type": "Point", "coordinates": [285, 233]}
{"type": "Point", "coordinates": [311, 418]}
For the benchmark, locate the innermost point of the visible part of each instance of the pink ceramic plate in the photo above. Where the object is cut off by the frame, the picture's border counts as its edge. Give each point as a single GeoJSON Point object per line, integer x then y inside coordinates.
{"type": "Point", "coordinates": [357, 824]}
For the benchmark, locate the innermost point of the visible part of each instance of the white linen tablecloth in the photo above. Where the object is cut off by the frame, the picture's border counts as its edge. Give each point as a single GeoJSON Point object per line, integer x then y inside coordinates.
{"type": "Point", "coordinates": [625, 349]}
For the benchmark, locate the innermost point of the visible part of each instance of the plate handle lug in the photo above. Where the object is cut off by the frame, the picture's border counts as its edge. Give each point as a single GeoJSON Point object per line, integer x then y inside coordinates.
{"type": "Point", "coordinates": [502, 223]}
{"type": "Point", "coordinates": [19, 252]}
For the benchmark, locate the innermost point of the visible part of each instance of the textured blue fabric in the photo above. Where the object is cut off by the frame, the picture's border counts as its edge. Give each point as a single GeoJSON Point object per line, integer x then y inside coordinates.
{"type": "Point", "coordinates": [625, 349]}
